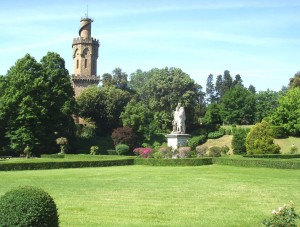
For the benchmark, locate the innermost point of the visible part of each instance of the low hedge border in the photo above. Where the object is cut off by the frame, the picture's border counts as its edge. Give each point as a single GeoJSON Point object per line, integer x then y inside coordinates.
{"type": "Point", "coordinates": [283, 156]}
{"type": "Point", "coordinates": [173, 162]}
{"type": "Point", "coordinates": [6, 166]}
{"type": "Point", "coordinates": [258, 162]}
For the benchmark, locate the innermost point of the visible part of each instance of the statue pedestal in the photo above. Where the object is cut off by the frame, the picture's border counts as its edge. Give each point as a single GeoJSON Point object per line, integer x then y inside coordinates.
{"type": "Point", "coordinates": [177, 140]}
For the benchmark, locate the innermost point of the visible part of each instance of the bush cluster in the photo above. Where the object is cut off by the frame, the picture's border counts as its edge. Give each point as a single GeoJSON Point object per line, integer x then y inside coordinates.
{"type": "Point", "coordinates": [184, 152]}
{"type": "Point", "coordinates": [28, 206]}
{"type": "Point", "coordinates": [285, 216]}
{"type": "Point", "coordinates": [215, 135]}
{"type": "Point", "coordinates": [214, 152]}
{"type": "Point", "coordinates": [196, 140]}
{"type": "Point", "coordinates": [238, 142]}
{"type": "Point", "coordinates": [278, 132]}
{"type": "Point", "coordinates": [142, 152]}
{"type": "Point", "coordinates": [201, 150]}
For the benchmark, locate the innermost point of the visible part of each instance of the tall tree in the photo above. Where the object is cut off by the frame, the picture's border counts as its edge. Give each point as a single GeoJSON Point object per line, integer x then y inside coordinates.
{"type": "Point", "coordinates": [288, 112]}
{"type": "Point", "coordinates": [227, 82]}
{"type": "Point", "coordinates": [103, 106]}
{"type": "Point", "coordinates": [295, 81]}
{"type": "Point", "coordinates": [210, 89]}
{"type": "Point", "coordinates": [162, 90]}
{"type": "Point", "coordinates": [237, 106]}
{"type": "Point", "coordinates": [237, 80]}
{"type": "Point", "coordinates": [266, 104]}
{"type": "Point", "coordinates": [120, 78]}
{"type": "Point", "coordinates": [37, 103]}
{"type": "Point", "coordinates": [219, 87]}
{"type": "Point", "coordinates": [252, 89]}
{"type": "Point", "coordinates": [107, 80]}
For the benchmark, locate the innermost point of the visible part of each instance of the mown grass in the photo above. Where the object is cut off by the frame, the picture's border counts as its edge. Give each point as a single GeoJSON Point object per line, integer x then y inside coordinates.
{"type": "Point", "coordinates": [163, 196]}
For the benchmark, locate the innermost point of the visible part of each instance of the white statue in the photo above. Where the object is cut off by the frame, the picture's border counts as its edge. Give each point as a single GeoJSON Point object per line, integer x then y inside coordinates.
{"type": "Point", "coordinates": [179, 120]}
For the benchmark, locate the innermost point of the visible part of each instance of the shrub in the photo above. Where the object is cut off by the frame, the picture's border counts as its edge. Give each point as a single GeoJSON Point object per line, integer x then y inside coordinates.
{"type": "Point", "coordinates": [228, 131]}
{"type": "Point", "coordinates": [196, 140]}
{"type": "Point", "coordinates": [278, 132]}
{"type": "Point", "coordinates": [28, 206]}
{"type": "Point", "coordinates": [174, 162]}
{"type": "Point", "coordinates": [94, 150]}
{"type": "Point", "coordinates": [85, 131]}
{"type": "Point", "coordinates": [293, 149]}
{"type": "Point", "coordinates": [238, 142]}
{"type": "Point", "coordinates": [122, 149]}
{"type": "Point", "coordinates": [165, 152]}
{"type": "Point", "coordinates": [124, 135]}
{"type": "Point", "coordinates": [260, 141]}
{"type": "Point", "coordinates": [201, 150]}
{"type": "Point", "coordinates": [284, 216]}
{"type": "Point", "coordinates": [224, 149]}
{"type": "Point", "coordinates": [184, 152]}
{"type": "Point", "coordinates": [214, 135]}
{"type": "Point", "coordinates": [143, 152]}
{"type": "Point", "coordinates": [214, 152]}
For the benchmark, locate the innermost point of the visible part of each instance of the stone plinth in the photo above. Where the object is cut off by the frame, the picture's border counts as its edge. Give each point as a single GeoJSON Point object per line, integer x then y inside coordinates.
{"type": "Point", "coordinates": [177, 140]}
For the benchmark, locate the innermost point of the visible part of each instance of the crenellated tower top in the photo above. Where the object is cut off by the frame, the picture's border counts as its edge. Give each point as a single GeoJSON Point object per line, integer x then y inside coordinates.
{"type": "Point", "coordinates": [85, 55]}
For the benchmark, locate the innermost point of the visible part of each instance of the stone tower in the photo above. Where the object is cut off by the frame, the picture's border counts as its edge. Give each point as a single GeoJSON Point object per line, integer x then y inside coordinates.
{"type": "Point", "coordinates": [85, 55]}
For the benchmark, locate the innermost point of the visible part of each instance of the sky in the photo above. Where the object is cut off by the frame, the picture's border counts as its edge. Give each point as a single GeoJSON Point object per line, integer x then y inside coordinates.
{"type": "Point", "coordinates": [258, 39]}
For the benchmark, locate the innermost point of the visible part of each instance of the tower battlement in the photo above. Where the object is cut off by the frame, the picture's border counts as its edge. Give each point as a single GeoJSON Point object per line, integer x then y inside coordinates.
{"type": "Point", "coordinates": [81, 40]}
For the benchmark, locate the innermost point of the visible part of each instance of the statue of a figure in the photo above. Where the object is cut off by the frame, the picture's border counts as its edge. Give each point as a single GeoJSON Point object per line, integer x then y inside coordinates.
{"type": "Point", "coordinates": [179, 120]}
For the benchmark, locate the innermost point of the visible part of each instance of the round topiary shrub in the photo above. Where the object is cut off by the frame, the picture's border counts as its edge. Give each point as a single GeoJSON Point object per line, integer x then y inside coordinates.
{"type": "Point", "coordinates": [28, 206]}
{"type": "Point", "coordinates": [122, 149]}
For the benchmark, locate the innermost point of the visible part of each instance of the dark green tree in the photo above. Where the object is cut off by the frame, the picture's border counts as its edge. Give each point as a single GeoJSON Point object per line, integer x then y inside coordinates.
{"type": "Point", "coordinates": [252, 89]}
{"type": "Point", "coordinates": [238, 142]}
{"type": "Point", "coordinates": [266, 103]}
{"type": "Point", "coordinates": [210, 89]}
{"type": "Point", "coordinates": [295, 81]}
{"type": "Point", "coordinates": [37, 103]}
{"type": "Point", "coordinates": [107, 80]}
{"type": "Point", "coordinates": [227, 83]}
{"type": "Point", "coordinates": [212, 115]}
{"type": "Point", "coordinates": [287, 113]}
{"type": "Point", "coordinates": [219, 87]}
{"type": "Point", "coordinates": [103, 106]}
{"type": "Point", "coordinates": [237, 106]}
{"type": "Point", "coordinates": [163, 90]}
{"type": "Point", "coordinates": [237, 80]}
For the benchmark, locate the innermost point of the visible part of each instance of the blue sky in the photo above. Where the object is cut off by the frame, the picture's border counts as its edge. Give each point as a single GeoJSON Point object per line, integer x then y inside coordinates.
{"type": "Point", "coordinates": [258, 39]}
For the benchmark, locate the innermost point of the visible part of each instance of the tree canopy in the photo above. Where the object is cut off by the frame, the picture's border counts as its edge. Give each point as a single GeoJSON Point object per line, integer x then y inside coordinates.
{"type": "Point", "coordinates": [36, 103]}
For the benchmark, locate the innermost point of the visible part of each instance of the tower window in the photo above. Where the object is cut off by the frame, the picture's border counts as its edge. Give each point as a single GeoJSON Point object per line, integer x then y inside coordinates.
{"type": "Point", "coordinates": [77, 63]}
{"type": "Point", "coordinates": [85, 63]}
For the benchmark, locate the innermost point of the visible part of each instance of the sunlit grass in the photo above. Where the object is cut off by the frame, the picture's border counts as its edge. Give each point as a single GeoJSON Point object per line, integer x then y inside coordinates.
{"type": "Point", "coordinates": [162, 196]}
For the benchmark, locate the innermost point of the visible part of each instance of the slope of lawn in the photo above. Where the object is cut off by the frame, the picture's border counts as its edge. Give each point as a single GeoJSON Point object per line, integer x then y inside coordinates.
{"type": "Point", "coordinates": [162, 196]}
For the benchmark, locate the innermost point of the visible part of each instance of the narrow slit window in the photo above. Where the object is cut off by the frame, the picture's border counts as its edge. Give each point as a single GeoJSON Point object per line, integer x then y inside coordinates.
{"type": "Point", "coordinates": [85, 63]}
{"type": "Point", "coordinates": [77, 63]}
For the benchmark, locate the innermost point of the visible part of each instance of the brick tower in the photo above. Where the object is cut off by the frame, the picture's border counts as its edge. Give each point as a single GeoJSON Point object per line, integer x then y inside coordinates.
{"type": "Point", "coordinates": [85, 55]}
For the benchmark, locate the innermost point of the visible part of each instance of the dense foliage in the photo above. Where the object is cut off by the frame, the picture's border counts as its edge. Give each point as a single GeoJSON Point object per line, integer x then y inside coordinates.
{"type": "Point", "coordinates": [238, 142]}
{"type": "Point", "coordinates": [260, 141]}
{"type": "Point", "coordinates": [103, 106]}
{"type": "Point", "coordinates": [36, 104]}
{"type": "Point", "coordinates": [28, 206]}
{"type": "Point", "coordinates": [124, 135]}
{"type": "Point", "coordinates": [288, 112]}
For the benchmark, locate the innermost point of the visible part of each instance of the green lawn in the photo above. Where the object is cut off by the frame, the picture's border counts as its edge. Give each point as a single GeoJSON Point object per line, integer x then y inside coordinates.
{"type": "Point", "coordinates": [163, 196]}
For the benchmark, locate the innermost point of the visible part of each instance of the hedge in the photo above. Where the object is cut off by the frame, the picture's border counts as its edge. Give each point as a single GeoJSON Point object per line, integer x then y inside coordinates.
{"type": "Point", "coordinates": [5, 166]}
{"type": "Point", "coordinates": [282, 156]}
{"type": "Point", "coordinates": [255, 162]}
{"type": "Point", "coordinates": [173, 162]}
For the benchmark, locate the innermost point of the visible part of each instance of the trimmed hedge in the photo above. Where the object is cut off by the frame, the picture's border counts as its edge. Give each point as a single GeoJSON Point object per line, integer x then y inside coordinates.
{"type": "Point", "coordinates": [52, 156]}
{"type": "Point", "coordinates": [173, 162]}
{"type": "Point", "coordinates": [5, 166]}
{"type": "Point", "coordinates": [283, 156]}
{"type": "Point", "coordinates": [255, 162]}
